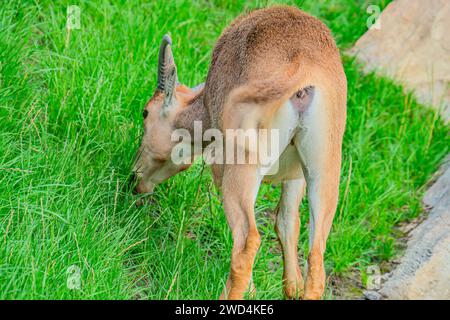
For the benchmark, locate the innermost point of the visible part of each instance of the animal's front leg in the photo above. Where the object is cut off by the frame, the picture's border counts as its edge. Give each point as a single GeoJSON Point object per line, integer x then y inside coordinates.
{"type": "Point", "coordinates": [240, 187]}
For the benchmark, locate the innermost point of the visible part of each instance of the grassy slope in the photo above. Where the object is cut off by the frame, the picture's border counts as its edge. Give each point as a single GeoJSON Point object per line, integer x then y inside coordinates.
{"type": "Point", "coordinates": [70, 120]}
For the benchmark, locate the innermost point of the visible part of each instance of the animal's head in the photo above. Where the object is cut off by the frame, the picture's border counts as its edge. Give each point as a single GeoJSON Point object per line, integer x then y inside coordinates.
{"type": "Point", "coordinates": [153, 160]}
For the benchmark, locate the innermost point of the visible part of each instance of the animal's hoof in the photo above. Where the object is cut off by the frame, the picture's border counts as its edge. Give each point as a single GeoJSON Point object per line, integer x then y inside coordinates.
{"type": "Point", "coordinates": [293, 292]}
{"type": "Point", "coordinates": [312, 295]}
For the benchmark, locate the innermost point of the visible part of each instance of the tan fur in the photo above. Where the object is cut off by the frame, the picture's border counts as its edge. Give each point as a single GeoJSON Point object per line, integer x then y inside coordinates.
{"type": "Point", "coordinates": [287, 227]}
{"type": "Point", "coordinates": [260, 61]}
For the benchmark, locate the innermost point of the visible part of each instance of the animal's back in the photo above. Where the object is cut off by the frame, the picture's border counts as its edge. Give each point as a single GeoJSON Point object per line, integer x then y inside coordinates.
{"type": "Point", "coordinates": [267, 48]}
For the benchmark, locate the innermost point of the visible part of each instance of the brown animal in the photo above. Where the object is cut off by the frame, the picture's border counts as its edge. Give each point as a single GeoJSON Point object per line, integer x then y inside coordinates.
{"type": "Point", "coordinates": [277, 69]}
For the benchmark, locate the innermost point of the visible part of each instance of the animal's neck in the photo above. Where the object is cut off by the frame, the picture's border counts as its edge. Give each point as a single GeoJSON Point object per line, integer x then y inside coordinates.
{"type": "Point", "coordinates": [194, 112]}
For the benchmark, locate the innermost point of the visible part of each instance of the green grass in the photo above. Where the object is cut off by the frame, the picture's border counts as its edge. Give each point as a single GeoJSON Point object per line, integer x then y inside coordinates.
{"type": "Point", "coordinates": [70, 123]}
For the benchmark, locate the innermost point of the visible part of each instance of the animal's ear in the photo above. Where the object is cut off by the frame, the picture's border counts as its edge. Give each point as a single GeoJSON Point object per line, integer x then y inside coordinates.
{"type": "Point", "coordinates": [167, 73]}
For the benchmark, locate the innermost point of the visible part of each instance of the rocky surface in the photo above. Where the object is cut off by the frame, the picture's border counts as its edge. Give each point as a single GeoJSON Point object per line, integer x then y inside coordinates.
{"type": "Point", "coordinates": [412, 46]}
{"type": "Point", "coordinates": [424, 270]}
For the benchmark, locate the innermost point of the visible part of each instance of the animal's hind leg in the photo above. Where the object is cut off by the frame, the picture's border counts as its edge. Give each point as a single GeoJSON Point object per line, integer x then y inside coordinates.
{"type": "Point", "coordinates": [240, 187]}
{"type": "Point", "coordinates": [287, 227]}
{"type": "Point", "coordinates": [319, 148]}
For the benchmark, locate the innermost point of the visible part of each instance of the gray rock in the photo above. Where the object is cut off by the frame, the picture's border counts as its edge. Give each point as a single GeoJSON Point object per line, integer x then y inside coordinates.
{"type": "Point", "coordinates": [438, 194]}
{"type": "Point", "coordinates": [372, 295]}
{"type": "Point", "coordinates": [424, 271]}
{"type": "Point", "coordinates": [412, 46]}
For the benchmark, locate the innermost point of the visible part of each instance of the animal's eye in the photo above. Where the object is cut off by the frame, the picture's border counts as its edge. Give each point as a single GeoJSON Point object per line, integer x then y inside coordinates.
{"type": "Point", "coordinates": [145, 114]}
